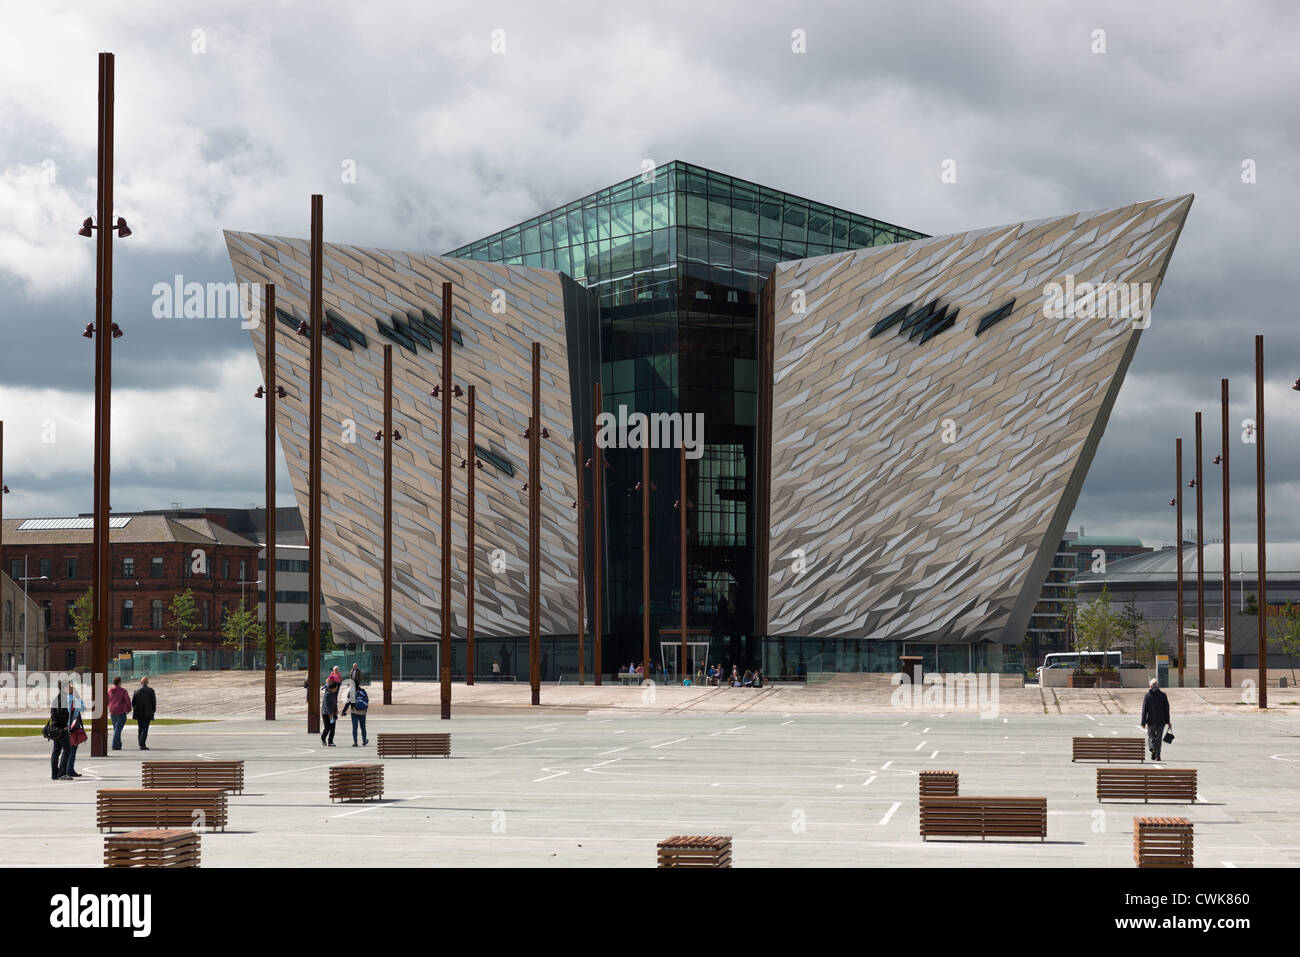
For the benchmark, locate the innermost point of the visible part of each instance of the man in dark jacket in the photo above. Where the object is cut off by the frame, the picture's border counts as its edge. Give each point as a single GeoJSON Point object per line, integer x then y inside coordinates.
{"type": "Point", "coordinates": [329, 713]}
{"type": "Point", "coordinates": [1155, 717]}
{"type": "Point", "coordinates": [59, 715]}
{"type": "Point", "coordinates": [144, 703]}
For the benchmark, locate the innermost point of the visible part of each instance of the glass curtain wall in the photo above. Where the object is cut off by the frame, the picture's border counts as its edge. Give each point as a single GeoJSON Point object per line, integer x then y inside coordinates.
{"type": "Point", "coordinates": [678, 257]}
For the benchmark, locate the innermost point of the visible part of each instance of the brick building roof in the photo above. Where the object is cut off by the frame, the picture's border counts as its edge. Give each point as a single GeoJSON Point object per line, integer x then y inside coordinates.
{"type": "Point", "coordinates": [145, 529]}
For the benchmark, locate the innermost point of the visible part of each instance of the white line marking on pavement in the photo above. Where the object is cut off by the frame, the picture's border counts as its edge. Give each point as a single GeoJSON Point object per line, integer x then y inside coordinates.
{"type": "Point", "coordinates": [611, 751]}
{"type": "Point", "coordinates": [1090, 717]}
{"type": "Point", "coordinates": [886, 765]}
{"type": "Point", "coordinates": [868, 780]}
{"type": "Point", "coordinates": [926, 731]}
{"type": "Point", "coordinates": [784, 723]}
{"type": "Point", "coordinates": [362, 810]}
{"type": "Point", "coordinates": [549, 776]}
{"type": "Point", "coordinates": [890, 813]}
{"type": "Point", "coordinates": [602, 764]}
{"type": "Point", "coordinates": [838, 786]}
{"type": "Point", "coordinates": [1230, 864]}
{"type": "Point", "coordinates": [906, 723]}
{"type": "Point", "coordinates": [539, 727]}
{"type": "Point", "coordinates": [666, 743]}
{"type": "Point", "coordinates": [502, 747]}
{"type": "Point", "coordinates": [1004, 720]}
{"type": "Point", "coordinates": [919, 746]}
{"type": "Point", "coordinates": [933, 756]}
{"type": "Point", "coordinates": [271, 774]}
{"type": "Point", "coordinates": [740, 727]}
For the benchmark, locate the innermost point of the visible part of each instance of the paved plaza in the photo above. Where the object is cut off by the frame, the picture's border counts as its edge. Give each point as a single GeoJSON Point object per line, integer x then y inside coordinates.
{"type": "Point", "coordinates": [600, 786]}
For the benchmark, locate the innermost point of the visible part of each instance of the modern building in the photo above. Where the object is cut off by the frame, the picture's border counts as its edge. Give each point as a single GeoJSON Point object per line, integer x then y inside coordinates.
{"type": "Point", "coordinates": [1151, 581]}
{"type": "Point", "coordinates": [1076, 555]}
{"type": "Point", "coordinates": [895, 427]}
{"type": "Point", "coordinates": [152, 559]}
{"type": "Point", "coordinates": [23, 640]}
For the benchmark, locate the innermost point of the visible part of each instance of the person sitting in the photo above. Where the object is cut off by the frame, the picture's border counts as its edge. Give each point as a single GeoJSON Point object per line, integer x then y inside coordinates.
{"type": "Point", "coordinates": [758, 678]}
{"type": "Point", "coordinates": [748, 680]}
{"type": "Point", "coordinates": [735, 677]}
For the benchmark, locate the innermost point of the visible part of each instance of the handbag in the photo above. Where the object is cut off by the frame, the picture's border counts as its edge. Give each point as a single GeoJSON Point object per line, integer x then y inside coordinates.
{"type": "Point", "coordinates": [77, 737]}
{"type": "Point", "coordinates": [1169, 737]}
{"type": "Point", "coordinates": [51, 731]}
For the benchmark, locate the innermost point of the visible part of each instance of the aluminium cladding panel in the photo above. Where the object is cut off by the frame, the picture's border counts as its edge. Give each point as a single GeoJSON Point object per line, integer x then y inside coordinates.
{"type": "Point", "coordinates": [366, 287]}
{"type": "Point", "coordinates": [927, 481]}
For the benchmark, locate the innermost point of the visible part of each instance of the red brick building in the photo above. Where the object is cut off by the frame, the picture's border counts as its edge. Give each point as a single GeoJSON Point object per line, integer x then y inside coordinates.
{"type": "Point", "coordinates": [153, 559]}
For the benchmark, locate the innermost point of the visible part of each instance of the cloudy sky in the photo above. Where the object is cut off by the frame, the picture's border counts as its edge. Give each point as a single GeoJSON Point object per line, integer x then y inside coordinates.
{"type": "Point", "coordinates": [230, 115]}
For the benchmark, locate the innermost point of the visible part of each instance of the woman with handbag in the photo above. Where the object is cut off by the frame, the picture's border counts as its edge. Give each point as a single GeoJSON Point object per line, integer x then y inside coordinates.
{"type": "Point", "coordinates": [76, 731]}
{"type": "Point", "coordinates": [57, 733]}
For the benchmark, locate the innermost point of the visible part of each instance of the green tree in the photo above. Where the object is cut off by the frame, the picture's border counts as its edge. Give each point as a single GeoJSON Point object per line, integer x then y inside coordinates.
{"type": "Point", "coordinates": [83, 615]}
{"type": "Point", "coordinates": [1098, 628]}
{"type": "Point", "coordinates": [1130, 621]}
{"type": "Point", "coordinates": [1286, 633]}
{"type": "Point", "coordinates": [1252, 604]}
{"type": "Point", "coordinates": [183, 615]}
{"type": "Point", "coordinates": [1149, 644]}
{"type": "Point", "coordinates": [242, 626]}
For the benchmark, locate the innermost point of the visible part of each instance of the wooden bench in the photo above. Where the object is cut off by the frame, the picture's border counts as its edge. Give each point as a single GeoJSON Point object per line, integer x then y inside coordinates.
{"type": "Point", "coordinates": [160, 808]}
{"type": "Point", "coordinates": [1110, 749]}
{"type": "Point", "coordinates": [356, 782]}
{"type": "Point", "coordinates": [1162, 842]}
{"type": "Point", "coordinates": [984, 817]}
{"type": "Point", "coordinates": [1149, 784]}
{"type": "Point", "coordinates": [695, 851]}
{"type": "Point", "coordinates": [939, 782]}
{"type": "Point", "coordinates": [152, 848]}
{"type": "Point", "coordinates": [415, 745]}
{"type": "Point", "coordinates": [227, 775]}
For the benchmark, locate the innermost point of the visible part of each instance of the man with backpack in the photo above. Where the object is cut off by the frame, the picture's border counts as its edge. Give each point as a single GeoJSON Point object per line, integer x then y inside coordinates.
{"type": "Point", "coordinates": [359, 702]}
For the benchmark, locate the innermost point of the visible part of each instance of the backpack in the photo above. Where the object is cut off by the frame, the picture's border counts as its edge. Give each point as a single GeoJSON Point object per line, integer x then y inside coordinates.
{"type": "Point", "coordinates": [362, 702]}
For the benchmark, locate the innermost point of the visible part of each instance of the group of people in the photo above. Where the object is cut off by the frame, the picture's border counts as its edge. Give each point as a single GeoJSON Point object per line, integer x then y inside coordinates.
{"type": "Point", "coordinates": [66, 729]}
{"type": "Point", "coordinates": [714, 675]}
{"type": "Point", "coordinates": [355, 699]}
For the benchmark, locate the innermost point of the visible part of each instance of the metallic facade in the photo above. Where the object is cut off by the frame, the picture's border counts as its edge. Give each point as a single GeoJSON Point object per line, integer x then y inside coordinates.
{"type": "Point", "coordinates": [373, 297]}
{"type": "Point", "coordinates": [928, 424]}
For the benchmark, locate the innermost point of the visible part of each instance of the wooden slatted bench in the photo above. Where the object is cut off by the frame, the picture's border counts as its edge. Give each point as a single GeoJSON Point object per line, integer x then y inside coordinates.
{"type": "Point", "coordinates": [1110, 749]}
{"type": "Point", "coordinates": [1162, 842]}
{"type": "Point", "coordinates": [228, 775]}
{"type": "Point", "coordinates": [415, 745]}
{"type": "Point", "coordinates": [152, 848]}
{"type": "Point", "coordinates": [160, 808]}
{"type": "Point", "coordinates": [984, 817]}
{"type": "Point", "coordinates": [1149, 784]}
{"type": "Point", "coordinates": [695, 851]}
{"type": "Point", "coordinates": [939, 782]}
{"type": "Point", "coordinates": [356, 782]}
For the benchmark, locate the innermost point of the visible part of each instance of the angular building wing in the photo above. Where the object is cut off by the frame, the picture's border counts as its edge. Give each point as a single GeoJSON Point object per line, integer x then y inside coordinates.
{"type": "Point", "coordinates": [928, 414]}
{"type": "Point", "coordinates": [379, 297]}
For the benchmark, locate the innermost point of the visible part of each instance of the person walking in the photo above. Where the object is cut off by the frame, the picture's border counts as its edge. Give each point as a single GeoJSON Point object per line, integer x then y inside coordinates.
{"type": "Point", "coordinates": [496, 670]}
{"type": "Point", "coordinates": [76, 732]}
{"type": "Point", "coordinates": [1155, 717]}
{"type": "Point", "coordinates": [355, 675]}
{"type": "Point", "coordinates": [329, 712]}
{"type": "Point", "coordinates": [144, 705]}
{"type": "Point", "coordinates": [119, 706]}
{"type": "Point", "coordinates": [59, 718]}
{"type": "Point", "coordinates": [359, 702]}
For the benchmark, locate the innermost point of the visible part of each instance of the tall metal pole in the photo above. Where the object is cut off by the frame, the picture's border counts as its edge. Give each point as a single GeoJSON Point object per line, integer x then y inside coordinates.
{"type": "Point", "coordinates": [268, 317]}
{"type": "Point", "coordinates": [1259, 522]}
{"type": "Point", "coordinates": [471, 463]}
{"type": "Point", "coordinates": [1200, 565]}
{"type": "Point", "coordinates": [681, 507]}
{"type": "Point", "coordinates": [1227, 549]}
{"type": "Point", "coordinates": [534, 530]}
{"type": "Point", "coordinates": [581, 506]}
{"type": "Point", "coordinates": [1178, 479]}
{"type": "Point", "coordinates": [317, 314]}
{"type": "Point", "coordinates": [645, 557]}
{"type": "Point", "coordinates": [103, 403]}
{"type": "Point", "coordinates": [598, 532]}
{"type": "Point", "coordinates": [388, 525]}
{"type": "Point", "coordinates": [444, 653]}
